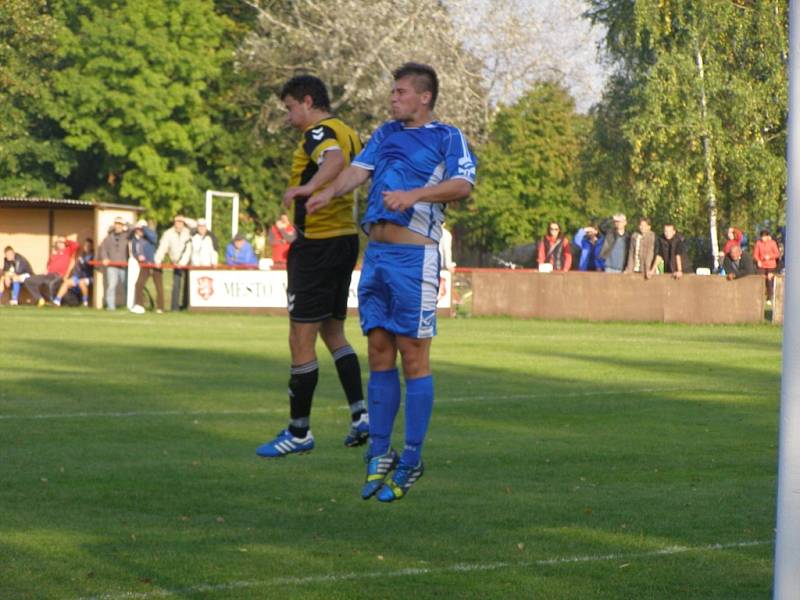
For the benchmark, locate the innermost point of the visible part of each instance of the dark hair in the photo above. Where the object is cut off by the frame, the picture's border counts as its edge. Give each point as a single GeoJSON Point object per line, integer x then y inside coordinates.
{"type": "Point", "coordinates": [670, 224]}
{"type": "Point", "coordinates": [90, 240]}
{"type": "Point", "coordinates": [7, 249]}
{"type": "Point", "coordinates": [425, 79]}
{"type": "Point", "coordinates": [300, 86]}
{"type": "Point", "coordinates": [646, 220]}
{"type": "Point", "coordinates": [765, 232]}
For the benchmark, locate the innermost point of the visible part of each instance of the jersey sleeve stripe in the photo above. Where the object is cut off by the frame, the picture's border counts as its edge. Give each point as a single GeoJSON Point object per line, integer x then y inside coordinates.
{"type": "Point", "coordinates": [362, 165]}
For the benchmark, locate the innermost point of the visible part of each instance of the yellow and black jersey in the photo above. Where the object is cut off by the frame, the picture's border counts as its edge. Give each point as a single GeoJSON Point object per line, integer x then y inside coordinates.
{"type": "Point", "coordinates": [338, 217]}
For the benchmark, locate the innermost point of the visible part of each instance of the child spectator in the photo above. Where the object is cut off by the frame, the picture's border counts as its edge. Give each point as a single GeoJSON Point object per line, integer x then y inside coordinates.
{"type": "Point", "coordinates": [82, 275]}
{"type": "Point", "coordinates": [767, 254]}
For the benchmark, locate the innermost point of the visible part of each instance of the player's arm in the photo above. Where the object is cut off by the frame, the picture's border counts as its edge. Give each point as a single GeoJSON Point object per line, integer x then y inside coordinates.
{"type": "Point", "coordinates": [348, 180]}
{"type": "Point", "coordinates": [329, 168]}
{"type": "Point", "coordinates": [447, 191]}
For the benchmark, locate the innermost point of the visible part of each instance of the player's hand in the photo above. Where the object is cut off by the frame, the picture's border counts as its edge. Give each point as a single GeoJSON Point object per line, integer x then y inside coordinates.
{"type": "Point", "coordinates": [294, 192]}
{"type": "Point", "coordinates": [677, 274]}
{"type": "Point", "coordinates": [105, 262]}
{"type": "Point", "coordinates": [318, 201]}
{"type": "Point", "coordinates": [399, 200]}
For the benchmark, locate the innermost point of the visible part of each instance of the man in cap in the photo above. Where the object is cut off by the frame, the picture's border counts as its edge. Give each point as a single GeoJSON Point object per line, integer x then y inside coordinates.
{"type": "Point", "coordinates": [615, 245]}
{"type": "Point", "coordinates": [114, 249]}
{"type": "Point", "coordinates": [176, 243]}
{"type": "Point", "coordinates": [239, 253]}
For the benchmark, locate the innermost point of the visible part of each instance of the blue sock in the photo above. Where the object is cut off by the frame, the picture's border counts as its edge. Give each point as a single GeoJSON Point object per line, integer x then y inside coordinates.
{"type": "Point", "coordinates": [383, 400]}
{"type": "Point", "coordinates": [15, 290]}
{"type": "Point", "coordinates": [419, 406]}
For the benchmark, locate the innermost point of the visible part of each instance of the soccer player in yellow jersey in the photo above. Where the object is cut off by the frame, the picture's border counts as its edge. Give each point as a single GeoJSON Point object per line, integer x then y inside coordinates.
{"type": "Point", "coordinates": [320, 262]}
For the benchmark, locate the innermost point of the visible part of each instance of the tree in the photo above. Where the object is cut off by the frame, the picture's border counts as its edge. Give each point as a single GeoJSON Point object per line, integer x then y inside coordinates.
{"type": "Point", "coordinates": [695, 114]}
{"type": "Point", "coordinates": [528, 172]}
{"type": "Point", "coordinates": [132, 94]}
{"type": "Point", "coordinates": [34, 161]}
{"type": "Point", "coordinates": [354, 47]}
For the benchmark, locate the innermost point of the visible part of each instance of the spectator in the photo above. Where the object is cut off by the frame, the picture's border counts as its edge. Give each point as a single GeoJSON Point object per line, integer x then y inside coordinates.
{"type": "Point", "coordinates": [115, 249]}
{"type": "Point", "coordinates": [767, 254]}
{"type": "Point", "coordinates": [738, 263]}
{"type": "Point", "coordinates": [176, 243]}
{"type": "Point", "coordinates": [16, 269]}
{"type": "Point", "coordinates": [643, 252]}
{"type": "Point", "coordinates": [446, 251]}
{"type": "Point", "coordinates": [204, 246]}
{"type": "Point", "coordinates": [590, 241]}
{"type": "Point", "coordinates": [82, 275]}
{"type": "Point", "coordinates": [240, 253]}
{"type": "Point", "coordinates": [734, 238]}
{"type": "Point", "coordinates": [143, 249]}
{"type": "Point", "coordinates": [672, 252]}
{"type": "Point", "coordinates": [281, 235]}
{"type": "Point", "coordinates": [58, 266]}
{"type": "Point", "coordinates": [554, 249]}
{"type": "Point", "coordinates": [615, 245]}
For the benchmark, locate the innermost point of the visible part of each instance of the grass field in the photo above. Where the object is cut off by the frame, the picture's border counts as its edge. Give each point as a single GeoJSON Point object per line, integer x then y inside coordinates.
{"type": "Point", "coordinates": [565, 460]}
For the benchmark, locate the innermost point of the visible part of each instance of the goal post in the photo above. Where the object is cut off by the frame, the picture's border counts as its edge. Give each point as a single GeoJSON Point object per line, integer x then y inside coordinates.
{"type": "Point", "coordinates": [210, 195]}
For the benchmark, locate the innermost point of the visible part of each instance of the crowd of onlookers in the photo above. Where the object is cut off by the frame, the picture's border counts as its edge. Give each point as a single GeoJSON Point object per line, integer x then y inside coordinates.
{"type": "Point", "coordinates": [69, 275]}
{"type": "Point", "coordinates": [610, 247]}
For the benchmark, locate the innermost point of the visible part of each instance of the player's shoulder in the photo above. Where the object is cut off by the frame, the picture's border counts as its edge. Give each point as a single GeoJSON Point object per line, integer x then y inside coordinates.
{"type": "Point", "coordinates": [445, 130]}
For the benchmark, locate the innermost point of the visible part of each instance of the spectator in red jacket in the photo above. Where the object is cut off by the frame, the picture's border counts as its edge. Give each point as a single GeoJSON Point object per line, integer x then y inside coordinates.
{"type": "Point", "coordinates": [767, 254]}
{"type": "Point", "coordinates": [59, 265]}
{"type": "Point", "coordinates": [281, 235]}
{"type": "Point", "coordinates": [554, 249]}
{"type": "Point", "coordinates": [735, 238]}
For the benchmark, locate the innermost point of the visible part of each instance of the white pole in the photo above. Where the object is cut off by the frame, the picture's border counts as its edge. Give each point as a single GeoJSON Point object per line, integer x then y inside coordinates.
{"type": "Point", "coordinates": [209, 212]}
{"type": "Point", "coordinates": [787, 541]}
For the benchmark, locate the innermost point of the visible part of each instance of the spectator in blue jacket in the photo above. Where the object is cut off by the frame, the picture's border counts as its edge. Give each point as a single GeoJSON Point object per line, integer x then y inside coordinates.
{"type": "Point", "coordinates": [240, 253]}
{"type": "Point", "coordinates": [143, 248]}
{"type": "Point", "coordinates": [590, 241]}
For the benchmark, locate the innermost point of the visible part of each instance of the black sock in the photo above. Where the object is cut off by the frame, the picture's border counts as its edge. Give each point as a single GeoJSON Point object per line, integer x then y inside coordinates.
{"type": "Point", "coordinates": [350, 376]}
{"type": "Point", "coordinates": [301, 391]}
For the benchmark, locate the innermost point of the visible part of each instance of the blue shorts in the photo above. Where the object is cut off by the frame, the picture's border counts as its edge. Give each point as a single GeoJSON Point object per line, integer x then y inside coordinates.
{"type": "Point", "coordinates": [76, 280]}
{"type": "Point", "coordinates": [399, 288]}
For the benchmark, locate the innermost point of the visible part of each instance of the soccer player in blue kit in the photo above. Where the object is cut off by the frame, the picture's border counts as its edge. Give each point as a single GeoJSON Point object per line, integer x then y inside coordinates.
{"type": "Point", "coordinates": [417, 165]}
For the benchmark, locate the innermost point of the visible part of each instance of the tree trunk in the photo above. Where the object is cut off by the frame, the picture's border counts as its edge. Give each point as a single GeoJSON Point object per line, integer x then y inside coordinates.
{"type": "Point", "coordinates": [708, 159]}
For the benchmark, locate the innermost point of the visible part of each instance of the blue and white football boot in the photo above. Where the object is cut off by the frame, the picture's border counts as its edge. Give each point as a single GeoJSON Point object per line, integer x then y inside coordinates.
{"type": "Point", "coordinates": [396, 487]}
{"type": "Point", "coordinates": [377, 469]}
{"type": "Point", "coordinates": [284, 444]}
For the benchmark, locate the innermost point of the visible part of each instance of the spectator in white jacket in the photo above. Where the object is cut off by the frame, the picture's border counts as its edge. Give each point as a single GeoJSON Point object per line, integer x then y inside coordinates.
{"type": "Point", "coordinates": [176, 244]}
{"type": "Point", "coordinates": [204, 246]}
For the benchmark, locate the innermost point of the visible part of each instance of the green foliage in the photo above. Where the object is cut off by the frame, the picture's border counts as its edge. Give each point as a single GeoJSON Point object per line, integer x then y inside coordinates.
{"type": "Point", "coordinates": [651, 125]}
{"type": "Point", "coordinates": [133, 87]}
{"type": "Point", "coordinates": [528, 172]}
{"type": "Point", "coordinates": [33, 159]}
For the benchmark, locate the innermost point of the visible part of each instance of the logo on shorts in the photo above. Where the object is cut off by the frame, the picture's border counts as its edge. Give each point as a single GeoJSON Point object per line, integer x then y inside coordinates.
{"type": "Point", "coordinates": [290, 298]}
{"type": "Point", "coordinates": [205, 287]}
{"type": "Point", "coordinates": [426, 323]}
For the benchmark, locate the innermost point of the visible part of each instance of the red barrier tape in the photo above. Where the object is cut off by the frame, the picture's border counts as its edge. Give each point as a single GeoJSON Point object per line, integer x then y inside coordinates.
{"type": "Point", "coordinates": [118, 263]}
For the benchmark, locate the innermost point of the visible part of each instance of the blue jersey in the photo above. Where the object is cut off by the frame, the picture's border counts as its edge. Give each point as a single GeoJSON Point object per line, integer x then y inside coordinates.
{"type": "Point", "coordinates": [405, 158]}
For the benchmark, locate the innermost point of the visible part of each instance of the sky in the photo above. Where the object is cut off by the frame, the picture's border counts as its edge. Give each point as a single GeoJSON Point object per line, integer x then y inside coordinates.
{"type": "Point", "coordinates": [527, 40]}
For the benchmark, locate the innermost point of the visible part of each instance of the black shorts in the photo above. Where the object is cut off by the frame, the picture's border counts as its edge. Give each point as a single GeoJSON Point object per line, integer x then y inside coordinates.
{"type": "Point", "coordinates": [319, 273]}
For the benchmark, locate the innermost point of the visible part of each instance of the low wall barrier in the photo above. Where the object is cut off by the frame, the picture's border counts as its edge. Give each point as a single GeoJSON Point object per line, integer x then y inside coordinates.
{"type": "Point", "coordinates": [693, 299]}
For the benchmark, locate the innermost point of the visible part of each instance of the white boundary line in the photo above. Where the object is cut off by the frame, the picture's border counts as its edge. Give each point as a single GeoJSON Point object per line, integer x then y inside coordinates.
{"type": "Point", "coordinates": [411, 572]}
{"type": "Point", "coordinates": [260, 411]}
